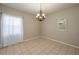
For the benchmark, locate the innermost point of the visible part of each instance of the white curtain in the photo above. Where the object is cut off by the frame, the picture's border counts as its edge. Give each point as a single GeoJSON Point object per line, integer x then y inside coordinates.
{"type": "Point", "coordinates": [12, 29]}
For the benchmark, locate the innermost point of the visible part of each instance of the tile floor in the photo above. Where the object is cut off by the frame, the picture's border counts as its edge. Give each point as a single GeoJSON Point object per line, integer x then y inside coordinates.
{"type": "Point", "coordinates": [39, 47]}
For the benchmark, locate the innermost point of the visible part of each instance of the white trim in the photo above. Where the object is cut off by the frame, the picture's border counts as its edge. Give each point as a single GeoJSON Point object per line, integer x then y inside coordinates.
{"type": "Point", "coordinates": [46, 37]}
{"type": "Point", "coordinates": [36, 37]}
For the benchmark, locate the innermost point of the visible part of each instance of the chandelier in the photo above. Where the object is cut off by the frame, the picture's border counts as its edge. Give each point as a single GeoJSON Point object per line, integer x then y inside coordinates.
{"type": "Point", "coordinates": [40, 16]}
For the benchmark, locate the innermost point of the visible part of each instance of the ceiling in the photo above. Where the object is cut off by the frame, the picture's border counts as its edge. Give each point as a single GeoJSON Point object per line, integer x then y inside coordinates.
{"type": "Point", "coordinates": [34, 8]}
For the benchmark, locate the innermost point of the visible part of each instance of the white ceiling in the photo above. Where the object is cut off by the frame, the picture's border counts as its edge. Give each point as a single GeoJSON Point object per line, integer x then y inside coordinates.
{"type": "Point", "coordinates": [33, 8]}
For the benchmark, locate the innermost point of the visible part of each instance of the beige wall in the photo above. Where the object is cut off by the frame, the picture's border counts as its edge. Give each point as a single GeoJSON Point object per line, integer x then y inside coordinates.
{"type": "Point", "coordinates": [71, 35]}
{"type": "Point", "coordinates": [31, 26]}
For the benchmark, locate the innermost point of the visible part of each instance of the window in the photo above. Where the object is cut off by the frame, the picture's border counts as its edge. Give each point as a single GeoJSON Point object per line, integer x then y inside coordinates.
{"type": "Point", "coordinates": [12, 28]}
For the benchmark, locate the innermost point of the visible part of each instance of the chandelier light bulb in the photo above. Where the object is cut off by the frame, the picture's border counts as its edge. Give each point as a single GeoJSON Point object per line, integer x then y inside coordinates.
{"type": "Point", "coordinates": [43, 14]}
{"type": "Point", "coordinates": [40, 17]}
{"type": "Point", "coordinates": [38, 14]}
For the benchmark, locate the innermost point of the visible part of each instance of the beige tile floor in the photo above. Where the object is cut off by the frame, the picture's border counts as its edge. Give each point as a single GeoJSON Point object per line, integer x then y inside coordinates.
{"type": "Point", "coordinates": [39, 47]}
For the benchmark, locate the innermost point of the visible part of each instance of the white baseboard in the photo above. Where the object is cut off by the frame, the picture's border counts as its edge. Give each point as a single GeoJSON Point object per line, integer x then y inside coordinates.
{"type": "Point", "coordinates": [46, 37]}
{"type": "Point", "coordinates": [36, 37]}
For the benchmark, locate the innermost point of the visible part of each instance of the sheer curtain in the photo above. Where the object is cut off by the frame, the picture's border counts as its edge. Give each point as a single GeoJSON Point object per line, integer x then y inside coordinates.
{"type": "Point", "coordinates": [12, 29]}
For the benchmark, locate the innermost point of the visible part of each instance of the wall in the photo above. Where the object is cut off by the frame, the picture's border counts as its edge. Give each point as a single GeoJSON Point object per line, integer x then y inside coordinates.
{"type": "Point", "coordinates": [71, 33]}
{"type": "Point", "coordinates": [30, 24]}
